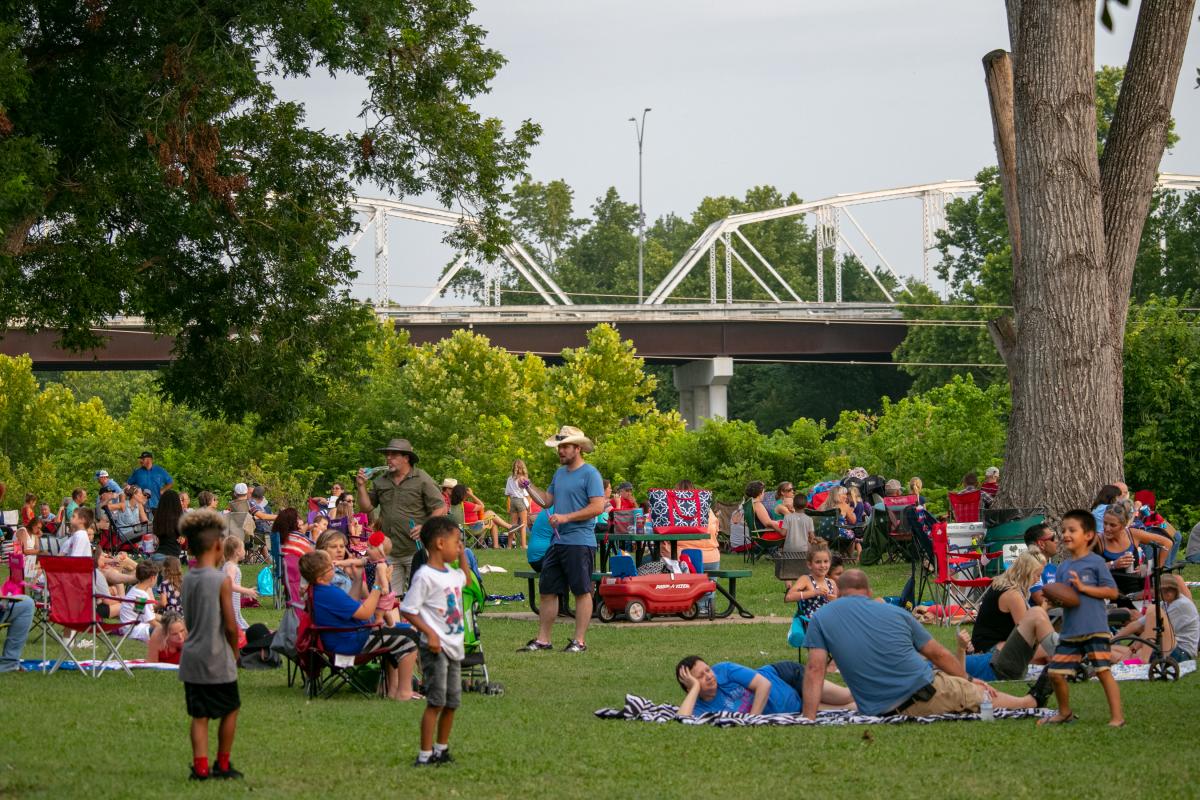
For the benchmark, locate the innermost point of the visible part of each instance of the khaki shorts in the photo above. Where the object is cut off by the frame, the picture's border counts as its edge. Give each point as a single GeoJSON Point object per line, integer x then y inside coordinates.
{"type": "Point", "coordinates": [951, 696]}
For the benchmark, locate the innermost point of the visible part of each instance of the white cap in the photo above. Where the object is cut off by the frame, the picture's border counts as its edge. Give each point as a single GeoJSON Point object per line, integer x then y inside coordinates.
{"type": "Point", "coordinates": [240, 488]}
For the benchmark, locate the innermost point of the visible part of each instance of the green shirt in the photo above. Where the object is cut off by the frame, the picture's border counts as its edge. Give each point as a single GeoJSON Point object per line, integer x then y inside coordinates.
{"type": "Point", "coordinates": [404, 505]}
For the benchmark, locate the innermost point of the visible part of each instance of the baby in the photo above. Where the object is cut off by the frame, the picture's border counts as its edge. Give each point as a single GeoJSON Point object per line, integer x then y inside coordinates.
{"type": "Point", "coordinates": [378, 549]}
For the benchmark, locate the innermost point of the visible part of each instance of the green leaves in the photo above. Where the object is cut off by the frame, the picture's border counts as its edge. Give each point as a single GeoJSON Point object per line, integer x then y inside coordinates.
{"type": "Point", "coordinates": [147, 168]}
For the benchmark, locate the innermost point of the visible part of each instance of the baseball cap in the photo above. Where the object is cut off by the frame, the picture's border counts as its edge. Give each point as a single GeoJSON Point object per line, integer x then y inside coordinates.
{"type": "Point", "coordinates": [103, 473]}
{"type": "Point", "coordinates": [240, 488]}
{"type": "Point", "coordinates": [624, 485]}
{"type": "Point", "coordinates": [146, 454]}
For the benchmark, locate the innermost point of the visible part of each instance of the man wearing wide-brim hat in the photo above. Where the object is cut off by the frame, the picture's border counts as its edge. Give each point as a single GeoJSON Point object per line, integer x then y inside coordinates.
{"type": "Point", "coordinates": [405, 496]}
{"type": "Point", "coordinates": [577, 494]}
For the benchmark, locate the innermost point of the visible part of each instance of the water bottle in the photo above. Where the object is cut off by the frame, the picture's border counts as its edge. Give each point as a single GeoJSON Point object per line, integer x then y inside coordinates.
{"type": "Point", "coordinates": [985, 707]}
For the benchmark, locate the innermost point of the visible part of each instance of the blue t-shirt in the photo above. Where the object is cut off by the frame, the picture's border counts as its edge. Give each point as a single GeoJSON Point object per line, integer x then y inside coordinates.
{"type": "Point", "coordinates": [1048, 574]}
{"type": "Point", "coordinates": [540, 534]}
{"type": "Point", "coordinates": [572, 491]}
{"type": "Point", "coordinates": [1090, 616]}
{"type": "Point", "coordinates": [333, 608]}
{"type": "Point", "coordinates": [734, 692]}
{"type": "Point", "coordinates": [152, 480]}
{"type": "Point", "coordinates": [876, 649]}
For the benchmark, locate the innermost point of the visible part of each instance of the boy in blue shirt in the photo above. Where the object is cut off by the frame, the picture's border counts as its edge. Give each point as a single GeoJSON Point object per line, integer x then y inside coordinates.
{"type": "Point", "coordinates": [773, 689]}
{"type": "Point", "coordinates": [1085, 628]}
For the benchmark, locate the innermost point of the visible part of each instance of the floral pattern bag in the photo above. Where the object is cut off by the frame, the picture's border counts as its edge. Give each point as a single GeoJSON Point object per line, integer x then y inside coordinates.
{"type": "Point", "coordinates": [679, 510]}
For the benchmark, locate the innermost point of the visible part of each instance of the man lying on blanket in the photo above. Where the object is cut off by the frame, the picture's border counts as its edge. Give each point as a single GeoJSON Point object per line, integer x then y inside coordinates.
{"type": "Point", "coordinates": [773, 689]}
{"type": "Point", "coordinates": [887, 659]}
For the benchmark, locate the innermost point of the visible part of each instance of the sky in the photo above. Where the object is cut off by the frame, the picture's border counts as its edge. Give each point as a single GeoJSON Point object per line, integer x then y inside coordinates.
{"type": "Point", "coordinates": [818, 98]}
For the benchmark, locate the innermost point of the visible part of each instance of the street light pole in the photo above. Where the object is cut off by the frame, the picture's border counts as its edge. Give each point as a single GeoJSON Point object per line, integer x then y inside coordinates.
{"type": "Point", "coordinates": [641, 132]}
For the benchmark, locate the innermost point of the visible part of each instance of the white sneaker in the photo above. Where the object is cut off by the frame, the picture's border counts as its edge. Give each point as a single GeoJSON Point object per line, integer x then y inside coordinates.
{"type": "Point", "coordinates": [81, 644]}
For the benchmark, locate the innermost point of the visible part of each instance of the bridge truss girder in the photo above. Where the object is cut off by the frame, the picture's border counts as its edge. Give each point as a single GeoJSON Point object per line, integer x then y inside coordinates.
{"type": "Point", "coordinates": [379, 211]}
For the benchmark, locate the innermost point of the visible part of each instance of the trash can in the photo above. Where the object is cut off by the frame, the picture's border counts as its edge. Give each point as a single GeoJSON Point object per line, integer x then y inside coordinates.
{"type": "Point", "coordinates": [1008, 538]}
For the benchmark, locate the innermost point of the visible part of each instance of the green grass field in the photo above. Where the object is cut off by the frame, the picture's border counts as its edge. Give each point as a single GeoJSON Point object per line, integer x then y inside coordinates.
{"type": "Point", "coordinates": [68, 736]}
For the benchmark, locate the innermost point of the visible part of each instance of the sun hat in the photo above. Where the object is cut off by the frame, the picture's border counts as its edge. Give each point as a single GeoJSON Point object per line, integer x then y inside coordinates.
{"type": "Point", "coordinates": [569, 434]}
{"type": "Point", "coordinates": [399, 446]}
{"type": "Point", "coordinates": [449, 483]}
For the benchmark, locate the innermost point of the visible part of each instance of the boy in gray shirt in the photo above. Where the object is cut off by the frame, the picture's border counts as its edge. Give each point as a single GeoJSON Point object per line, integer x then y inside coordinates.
{"type": "Point", "coordinates": [208, 663]}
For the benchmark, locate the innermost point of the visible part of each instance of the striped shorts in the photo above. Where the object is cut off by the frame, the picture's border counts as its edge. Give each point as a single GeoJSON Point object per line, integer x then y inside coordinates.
{"type": "Point", "coordinates": [398, 641]}
{"type": "Point", "coordinates": [1095, 647]}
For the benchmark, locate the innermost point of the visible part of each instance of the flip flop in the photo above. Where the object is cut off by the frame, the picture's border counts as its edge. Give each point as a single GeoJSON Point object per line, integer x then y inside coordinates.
{"type": "Point", "coordinates": [413, 696]}
{"type": "Point", "coordinates": [1067, 720]}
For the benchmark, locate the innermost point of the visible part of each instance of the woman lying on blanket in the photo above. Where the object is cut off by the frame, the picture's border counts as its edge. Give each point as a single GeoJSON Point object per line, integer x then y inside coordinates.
{"type": "Point", "coordinates": [772, 689]}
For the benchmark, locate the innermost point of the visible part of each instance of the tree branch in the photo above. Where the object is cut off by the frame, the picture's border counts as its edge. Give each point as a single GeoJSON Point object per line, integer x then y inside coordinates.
{"type": "Point", "coordinates": [1138, 135]}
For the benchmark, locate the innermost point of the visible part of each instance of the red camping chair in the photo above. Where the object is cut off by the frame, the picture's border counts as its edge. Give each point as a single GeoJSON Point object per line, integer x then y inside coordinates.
{"type": "Point", "coordinates": [325, 672]}
{"type": "Point", "coordinates": [964, 506]}
{"type": "Point", "coordinates": [73, 607]}
{"type": "Point", "coordinates": [959, 579]}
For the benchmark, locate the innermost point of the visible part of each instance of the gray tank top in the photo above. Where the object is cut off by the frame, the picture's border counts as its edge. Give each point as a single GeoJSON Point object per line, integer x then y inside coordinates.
{"type": "Point", "coordinates": [206, 656]}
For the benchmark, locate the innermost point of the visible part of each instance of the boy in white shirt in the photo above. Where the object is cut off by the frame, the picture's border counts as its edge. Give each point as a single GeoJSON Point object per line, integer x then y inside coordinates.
{"type": "Point", "coordinates": [434, 606]}
{"type": "Point", "coordinates": [79, 544]}
{"type": "Point", "coordinates": [141, 610]}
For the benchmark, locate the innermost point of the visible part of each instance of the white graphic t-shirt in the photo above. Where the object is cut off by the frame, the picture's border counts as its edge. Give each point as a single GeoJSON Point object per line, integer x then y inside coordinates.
{"type": "Point", "coordinates": [437, 596]}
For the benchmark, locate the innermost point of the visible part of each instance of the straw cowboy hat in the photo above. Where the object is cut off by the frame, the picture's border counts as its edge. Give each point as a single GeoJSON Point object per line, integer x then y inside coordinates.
{"type": "Point", "coordinates": [399, 446]}
{"type": "Point", "coordinates": [568, 434]}
{"type": "Point", "coordinates": [449, 483]}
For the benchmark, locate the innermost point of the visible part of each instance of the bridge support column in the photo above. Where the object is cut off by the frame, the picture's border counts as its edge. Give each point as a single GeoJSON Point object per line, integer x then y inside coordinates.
{"type": "Point", "coordinates": [704, 389]}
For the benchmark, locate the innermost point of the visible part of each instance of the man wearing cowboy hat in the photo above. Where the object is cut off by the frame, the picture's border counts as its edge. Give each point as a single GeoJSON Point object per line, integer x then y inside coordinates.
{"type": "Point", "coordinates": [577, 494]}
{"type": "Point", "coordinates": [406, 497]}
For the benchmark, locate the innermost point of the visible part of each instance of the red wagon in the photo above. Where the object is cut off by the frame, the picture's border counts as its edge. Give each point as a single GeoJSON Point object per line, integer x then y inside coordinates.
{"type": "Point", "coordinates": [641, 596]}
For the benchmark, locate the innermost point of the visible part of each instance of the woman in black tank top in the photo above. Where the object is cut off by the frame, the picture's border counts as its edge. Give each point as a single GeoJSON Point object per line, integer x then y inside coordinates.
{"type": "Point", "coordinates": [1005, 602]}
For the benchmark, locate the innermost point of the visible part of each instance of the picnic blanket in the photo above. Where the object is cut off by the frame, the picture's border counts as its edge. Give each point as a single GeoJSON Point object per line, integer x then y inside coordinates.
{"type": "Point", "coordinates": [36, 665]}
{"type": "Point", "coordinates": [1124, 672]}
{"type": "Point", "coordinates": [639, 709]}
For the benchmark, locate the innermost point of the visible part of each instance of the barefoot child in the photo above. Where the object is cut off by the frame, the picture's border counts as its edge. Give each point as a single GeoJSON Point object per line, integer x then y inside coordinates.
{"type": "Point", "coordinates": [434, 606]}
{"type": "Point", "coordinates": [815, 589]}
{"type": "Point", "coordinates": [208, 658]}
{"type": "Point", "coordinates": [1085, 628]}
{"type": "Point", "coordinates": [379, 547]}
{"type": "Point", "coordinates": [234, 550]}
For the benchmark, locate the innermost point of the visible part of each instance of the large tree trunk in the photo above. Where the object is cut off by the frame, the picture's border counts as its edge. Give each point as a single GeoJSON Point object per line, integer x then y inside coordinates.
{"type": "Point", "coordinates": [1077, 245]}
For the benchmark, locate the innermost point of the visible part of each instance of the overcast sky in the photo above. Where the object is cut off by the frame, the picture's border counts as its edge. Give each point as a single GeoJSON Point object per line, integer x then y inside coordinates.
{"type": "Point", "coordinates": [819, 98]}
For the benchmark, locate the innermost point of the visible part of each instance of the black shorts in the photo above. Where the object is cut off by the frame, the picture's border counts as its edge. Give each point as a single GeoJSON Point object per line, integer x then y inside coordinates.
{"type": "Point", "coordinates": [211, 700]}
{"type": "Point", "coordinates": [567, 568]}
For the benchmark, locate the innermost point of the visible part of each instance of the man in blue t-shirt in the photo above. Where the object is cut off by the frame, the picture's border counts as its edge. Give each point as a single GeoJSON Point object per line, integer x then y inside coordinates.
{"type": "Point", "coordinates": [1040, 538]}
{"type": "Point", "coordinates": [153, 480]}
{"type": "Point", "coordinates": [773, 689]}
{"type": "Point", "coordinates": [887, 659]}
{"type": "Point", "coordinates": [577, 493]}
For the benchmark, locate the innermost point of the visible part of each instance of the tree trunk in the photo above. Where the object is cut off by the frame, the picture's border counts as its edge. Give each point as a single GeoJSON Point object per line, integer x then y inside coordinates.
{"type": "Point", "coordinates": [1065, 431]}
{"type": "Point", "coordinates": [1071, 283]}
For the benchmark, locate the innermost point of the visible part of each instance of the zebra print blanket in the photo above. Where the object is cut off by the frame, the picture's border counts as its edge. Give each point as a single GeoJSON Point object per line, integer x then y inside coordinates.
{"type": "Point", "coordinates": [640, 709]}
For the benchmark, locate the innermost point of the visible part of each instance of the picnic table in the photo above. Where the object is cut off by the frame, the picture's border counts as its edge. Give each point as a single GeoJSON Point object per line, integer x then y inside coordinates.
{"type": "Point", "coordinates": [607, 544]}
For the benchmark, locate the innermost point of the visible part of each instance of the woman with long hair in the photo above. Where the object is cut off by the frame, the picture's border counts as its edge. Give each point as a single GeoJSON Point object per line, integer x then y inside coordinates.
{"type": "Point", "coordinates": [518, 501]}
{"type": "Point", "coordinates": [166, 525]}
{"type": "Point", "coordinates": [1006, 601]}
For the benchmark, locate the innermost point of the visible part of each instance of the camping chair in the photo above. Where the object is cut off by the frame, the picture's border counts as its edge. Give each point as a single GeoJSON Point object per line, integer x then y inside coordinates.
{"type": "Point", "coordinates": [960, 578]}
{"type": "Point", "coordinates": [764, 542]}
{"type": "Point", "coordinates": [825, 526]}
{"type": "Point", "coordinates": [73, 607]}
{"type": "Point", "coordinates": [326, 673]}
{"type": "Point", "coordinates": [964, 506]}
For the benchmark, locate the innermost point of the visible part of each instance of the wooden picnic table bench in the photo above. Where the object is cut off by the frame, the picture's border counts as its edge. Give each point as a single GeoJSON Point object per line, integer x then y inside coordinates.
{"type": "Point", "coordinates": [532, 577]}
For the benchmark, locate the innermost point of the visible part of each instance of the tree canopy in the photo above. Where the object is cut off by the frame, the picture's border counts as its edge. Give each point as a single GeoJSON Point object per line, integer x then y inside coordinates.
{"type": "Point", "coordinates": [149, 169]}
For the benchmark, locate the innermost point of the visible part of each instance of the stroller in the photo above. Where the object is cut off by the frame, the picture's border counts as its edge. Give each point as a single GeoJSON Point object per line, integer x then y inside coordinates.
{"type": "Point", "coordinates": [475, 677]}
{"type": "Point", "coordinates": [1162, 666]}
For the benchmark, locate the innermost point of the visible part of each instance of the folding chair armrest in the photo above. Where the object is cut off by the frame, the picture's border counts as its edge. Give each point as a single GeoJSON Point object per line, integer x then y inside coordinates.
{"type": "Point", "coordinates": [330, 629]}
{"type": "Point", "coordinates": [149, 602]}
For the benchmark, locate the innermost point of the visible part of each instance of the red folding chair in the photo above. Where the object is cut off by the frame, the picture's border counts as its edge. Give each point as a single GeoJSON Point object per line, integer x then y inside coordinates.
{"type": "Point", "coordinates": [73, 607]}
{"type": "Point", "coordinates": [959, 575]}
{"type": "Point", "coordinates": [326, 672]}
{"type": "Point", "coordinates": [964, 506]}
